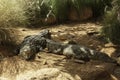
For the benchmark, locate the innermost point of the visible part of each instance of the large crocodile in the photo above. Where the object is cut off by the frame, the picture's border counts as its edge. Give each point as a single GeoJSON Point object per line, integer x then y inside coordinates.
{"type": "Point", "coordinates": [32, 44]}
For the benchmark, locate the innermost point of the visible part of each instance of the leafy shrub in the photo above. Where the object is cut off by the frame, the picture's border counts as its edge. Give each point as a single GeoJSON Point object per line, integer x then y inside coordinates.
{"type": "Point", "coordinates": [98, 7]}
{"type": "Point", "coordinates": [60, 9]}
{"type": "Point", "coordinates": [40, 10]}
{"type": "Point", "coordinates": [111, 27]}
{"type": "Point", "coordinates": [37, 12]}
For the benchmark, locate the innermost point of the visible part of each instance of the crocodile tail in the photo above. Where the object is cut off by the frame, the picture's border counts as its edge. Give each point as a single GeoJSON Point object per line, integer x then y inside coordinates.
{"type": "Point", "coordinates": [103, 57]}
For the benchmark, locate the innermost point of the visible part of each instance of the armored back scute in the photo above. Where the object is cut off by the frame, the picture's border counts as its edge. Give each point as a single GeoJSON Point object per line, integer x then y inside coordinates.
{"type": "Point", "coordinates": [86, 54]}
{"type": "Point", "coordinates": [45, 33]}
{"type": "Point", "coordinates": [54, 47]}
{"type": "Point", "coordinates": [76, 51]}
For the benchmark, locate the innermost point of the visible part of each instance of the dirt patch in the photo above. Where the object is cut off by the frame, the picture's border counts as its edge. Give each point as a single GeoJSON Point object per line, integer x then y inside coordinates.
{"type": "Point", "coordinates": [84, 34]}
{"type": "Point", "coordinates": [16, 69]}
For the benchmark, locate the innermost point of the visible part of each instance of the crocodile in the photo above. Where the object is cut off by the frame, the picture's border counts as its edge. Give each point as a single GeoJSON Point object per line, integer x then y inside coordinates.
{"type": "Point", "coordinates": [32, 44]}
{"type": "Point", "coordinates": [36, 43]}
{"type": "Point", "coordinates": [54, 47]}
{"type": "Point", "coordinates": [84, 53]}
{"type": "Point", "coordinates": [77, 51]}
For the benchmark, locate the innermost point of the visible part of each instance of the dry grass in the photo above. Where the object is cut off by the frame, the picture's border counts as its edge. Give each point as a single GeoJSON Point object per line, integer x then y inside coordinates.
{"type": "Point", "coordinates": [12, 13]}
{"type": "Point", "coordinates": [10, 67]}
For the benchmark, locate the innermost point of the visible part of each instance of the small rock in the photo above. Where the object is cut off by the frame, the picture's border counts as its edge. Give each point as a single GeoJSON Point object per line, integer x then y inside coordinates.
{"type": "Point", "coordinates": [24, 30]}
{"type": "Point", "coordinates": [45, 62]}
{"type": "Point", "coordinates": [118, 60]}
{"type": "Point", "coordinates": [109, 51]}
{"type": "Point", "coordinates": [90, 33]}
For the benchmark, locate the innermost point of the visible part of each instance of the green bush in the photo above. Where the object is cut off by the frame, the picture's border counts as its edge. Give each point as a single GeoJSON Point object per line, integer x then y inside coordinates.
{"type": "Point", "coordinates": [36, 12]}
{"type": "Point", "coordinates": [60, 9]}
{"type": "Point", "coordinates": [111, 27]}
{"type": "Point", "coordinates": [97, 6]}
{"type": "Point", "coordinates": [42, 9]}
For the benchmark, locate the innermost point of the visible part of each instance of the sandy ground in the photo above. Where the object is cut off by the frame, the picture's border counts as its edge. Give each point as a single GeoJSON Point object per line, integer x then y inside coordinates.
{"type": "Point", "coordinates": [86, 34]}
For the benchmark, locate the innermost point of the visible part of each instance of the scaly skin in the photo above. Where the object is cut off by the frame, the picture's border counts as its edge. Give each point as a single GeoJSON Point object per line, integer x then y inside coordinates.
{"type": "Point", "coordinates": [33, 44]}
{"type": "Point", "coordinates": [84, 53]}
{"type": "Point", "coordinates": [77, 51]}
{"type": "Point", "coordinates": [54, 47]}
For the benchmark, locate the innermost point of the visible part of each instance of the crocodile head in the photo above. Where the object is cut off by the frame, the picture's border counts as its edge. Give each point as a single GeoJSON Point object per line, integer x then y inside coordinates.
{"type": "Point", "coordinates": [25, 52]}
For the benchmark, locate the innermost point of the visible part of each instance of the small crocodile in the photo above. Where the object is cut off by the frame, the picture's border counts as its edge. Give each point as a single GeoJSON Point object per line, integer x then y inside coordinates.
{"type": "Point", "coordinates": [77, 51]}
{"type": "Point", "coordinates": [84, 53]}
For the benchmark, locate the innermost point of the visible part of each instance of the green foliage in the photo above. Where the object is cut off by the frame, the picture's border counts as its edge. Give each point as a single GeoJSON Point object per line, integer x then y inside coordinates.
{"type": "Point", "coordinates": [98, 6]}
{"type": "Point", "coordinates": [60, 9]}
{"type": "Point", "coordinates": [40, 10]}
{"type": "Point", "coordinates": [111, 27]}
{"type": "Point", "coordinates": [36, 12]}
